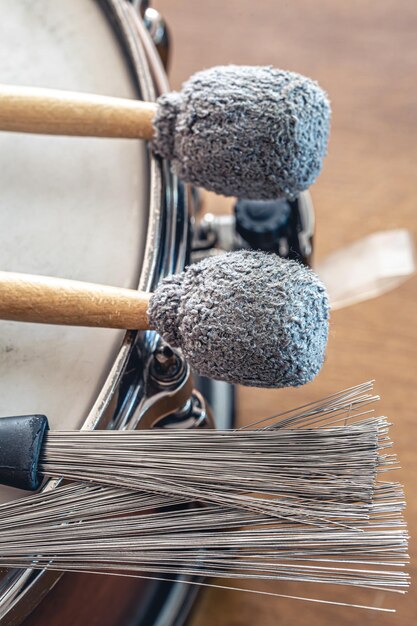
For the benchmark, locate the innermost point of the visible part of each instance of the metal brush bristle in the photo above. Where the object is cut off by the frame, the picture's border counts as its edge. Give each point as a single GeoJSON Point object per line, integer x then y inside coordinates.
{"type": "Point", "coordinates": [314, 466]}
{"type": "Point", "coordinates": [96, 529]}
{"type": "Point", "coordinates": [299, 500]}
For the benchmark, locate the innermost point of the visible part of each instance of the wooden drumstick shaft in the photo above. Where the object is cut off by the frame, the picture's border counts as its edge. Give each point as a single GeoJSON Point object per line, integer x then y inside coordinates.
{"type": "Point", "coordinates": [54, 112]}
{"type": "Point", "coordinates": [46, 300]}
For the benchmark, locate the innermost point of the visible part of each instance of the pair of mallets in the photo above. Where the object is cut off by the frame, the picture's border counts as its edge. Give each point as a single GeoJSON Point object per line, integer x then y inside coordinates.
{"type": "Point", "coordinates": [256, 132]}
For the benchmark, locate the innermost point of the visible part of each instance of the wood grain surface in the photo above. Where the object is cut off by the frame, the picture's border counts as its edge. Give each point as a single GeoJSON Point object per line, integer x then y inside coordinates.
{"type": "Point", "coordinates": [364, 53]}
{"type": "Point", "coordinates": [51, 300]}
{"type": "Point", "coordinates": [55, 112]}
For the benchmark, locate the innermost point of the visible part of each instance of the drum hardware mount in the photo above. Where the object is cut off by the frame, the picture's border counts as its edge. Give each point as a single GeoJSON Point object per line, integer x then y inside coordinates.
{"type": "Point", "coordinates": [280, 226]}
{"type": "Point", "coordinates": [158, 31]}
{"type": "Point", "coordinates": [167, 366]}
{"type": "Point", "coordinates": [159, 390]}
{"type": "Point", "coordinates": [194, 414]}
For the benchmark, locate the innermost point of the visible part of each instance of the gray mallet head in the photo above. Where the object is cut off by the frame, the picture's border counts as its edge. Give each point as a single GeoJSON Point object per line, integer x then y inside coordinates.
{"type": "Point", "coordinates": [247, 318]}
{"type": "Point", "coordinates": [251, 132]}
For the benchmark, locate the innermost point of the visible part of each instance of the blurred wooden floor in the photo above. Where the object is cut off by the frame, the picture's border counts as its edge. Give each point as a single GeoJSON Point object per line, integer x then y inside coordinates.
{"type": "Point", "coordinates": [364, 53]}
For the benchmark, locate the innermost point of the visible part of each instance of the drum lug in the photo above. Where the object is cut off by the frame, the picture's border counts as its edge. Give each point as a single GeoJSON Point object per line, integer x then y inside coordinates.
{"type": "Point", "coordinates": [172, 400]}
{"type": "Point", "coordinates": [157, 29]}
{"type": "Point", "coordinates": [166, 367]}
{"type": "Point", "coordinates": [167, 396]}
{"type": "Point", "coordinates": [195, 413]}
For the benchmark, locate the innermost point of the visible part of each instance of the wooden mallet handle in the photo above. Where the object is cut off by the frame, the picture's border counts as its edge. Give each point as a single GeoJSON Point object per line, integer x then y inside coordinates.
{"type": "Point", "coordinates": [54, 112]}
{"type": "Point", "coordinates": [27, 298]}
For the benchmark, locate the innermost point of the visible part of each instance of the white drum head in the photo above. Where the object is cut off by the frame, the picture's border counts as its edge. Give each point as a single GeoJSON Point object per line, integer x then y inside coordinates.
{"type": "Point", "coordinates": [70, 207]}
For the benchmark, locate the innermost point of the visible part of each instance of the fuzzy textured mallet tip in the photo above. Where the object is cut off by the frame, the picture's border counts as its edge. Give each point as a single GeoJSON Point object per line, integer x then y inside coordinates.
{"type": "Point", "coordinates": [251, 132]}
{"type": "Point", "coordinates": [247, 318]}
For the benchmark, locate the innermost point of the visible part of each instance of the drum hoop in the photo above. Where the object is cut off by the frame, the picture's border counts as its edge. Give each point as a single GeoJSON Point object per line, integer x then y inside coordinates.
{"type": "Point", "coordinates": [167, 224]}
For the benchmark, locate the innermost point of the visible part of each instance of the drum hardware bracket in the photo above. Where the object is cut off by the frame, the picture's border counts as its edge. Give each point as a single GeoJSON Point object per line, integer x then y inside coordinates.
{"type": "Point", "coordinates": [195, 413]}
{"type": "Point", "coordinates": [169, 398]}
{"type": "Point", "coordinates": [157, 28]}
{"type": "Point", "coordinates": [280, 226]}
{"type": "Point", "coordinates": [166, 367]}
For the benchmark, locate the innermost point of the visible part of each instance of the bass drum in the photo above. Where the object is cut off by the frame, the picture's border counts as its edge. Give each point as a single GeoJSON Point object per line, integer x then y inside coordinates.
{"type": "Point", "coordinates": [99, 210]}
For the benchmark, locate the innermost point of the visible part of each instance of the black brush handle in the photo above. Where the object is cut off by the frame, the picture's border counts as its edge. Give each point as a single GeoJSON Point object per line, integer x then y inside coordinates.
{"type": "Point", "coordinates": [21, 440]}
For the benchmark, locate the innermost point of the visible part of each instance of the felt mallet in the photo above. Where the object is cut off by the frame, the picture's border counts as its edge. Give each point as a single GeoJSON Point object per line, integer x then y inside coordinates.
{"type": "Point", "coordinates": [252, 132]}
{"type": "Point", "coordinates": [244, 317]}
